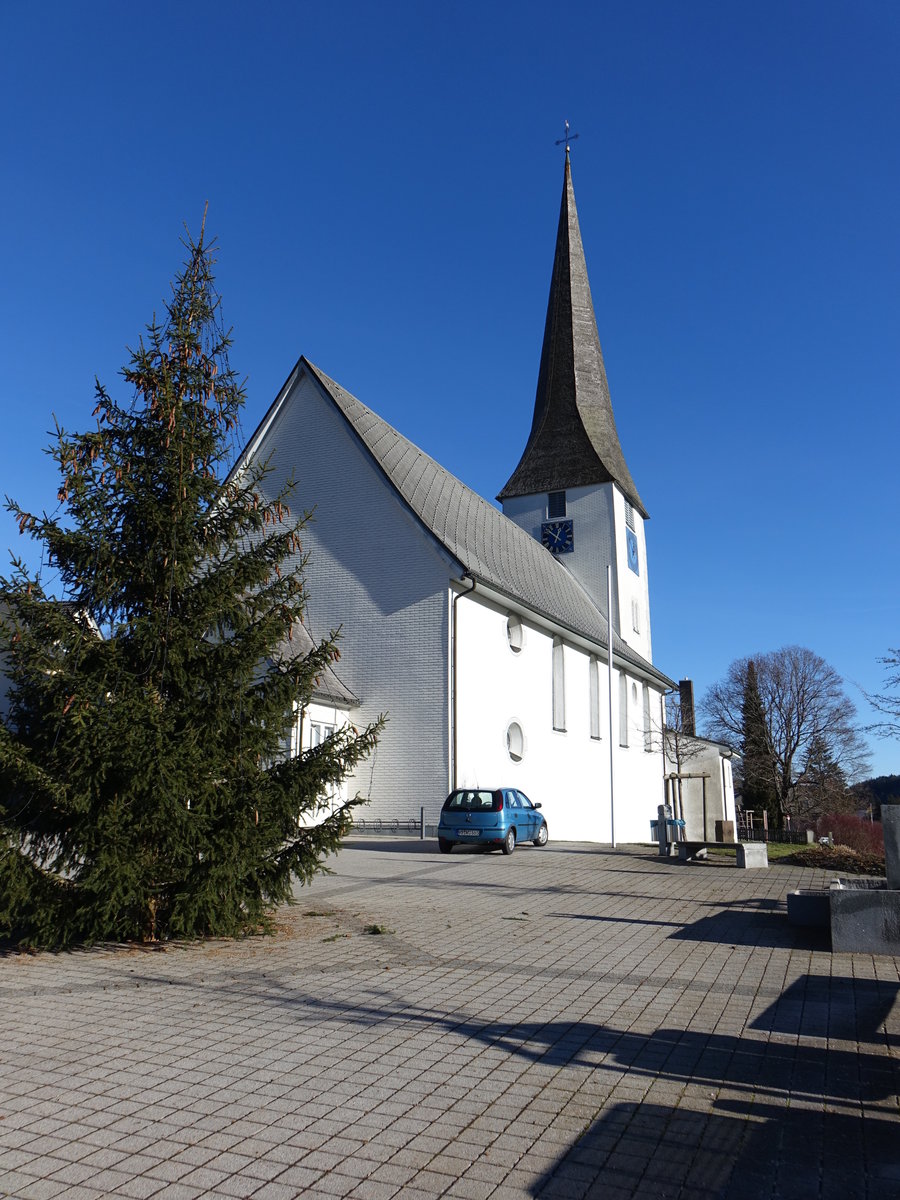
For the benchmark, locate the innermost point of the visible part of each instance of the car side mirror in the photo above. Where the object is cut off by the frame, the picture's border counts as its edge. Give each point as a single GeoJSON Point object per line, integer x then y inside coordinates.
{"type": "Point", "coordinates": [535, 806]}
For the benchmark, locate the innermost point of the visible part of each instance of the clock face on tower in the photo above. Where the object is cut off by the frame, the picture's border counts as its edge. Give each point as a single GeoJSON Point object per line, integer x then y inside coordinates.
{"type": "Point", "coordinates": [631, 541]}
{"type": "Point", "coordinates": [558, 536]}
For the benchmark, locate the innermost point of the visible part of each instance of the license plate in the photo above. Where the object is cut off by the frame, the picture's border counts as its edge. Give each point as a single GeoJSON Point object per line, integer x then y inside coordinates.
{"type": "Point", "coordinates": [468, 833]}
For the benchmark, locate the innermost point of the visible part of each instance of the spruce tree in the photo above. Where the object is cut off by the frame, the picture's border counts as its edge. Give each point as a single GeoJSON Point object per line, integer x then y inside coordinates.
{"type": "Point", "coordinates": [759, 791]}
{"type": "Point", "coordinates": [144, 789]}
{"type": "Point", "coordinates": [822, 787]}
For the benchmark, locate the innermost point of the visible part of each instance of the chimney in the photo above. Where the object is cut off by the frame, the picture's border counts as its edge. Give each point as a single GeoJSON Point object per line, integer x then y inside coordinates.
{"type": "Point", "coordinates": [686, 697]}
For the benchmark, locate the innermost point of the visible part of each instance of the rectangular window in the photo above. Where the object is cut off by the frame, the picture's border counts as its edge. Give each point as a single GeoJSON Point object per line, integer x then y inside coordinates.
{"type": "Point", "coordinates": [318, 732]}
{"type": "Point", "coordinates": [648, 732]}
{"type": "Point", "coordinates": [559, 685]}
{"type": "Point", "coordinates": [556, 505]}
{"type": "Point", "coordinates": [623, 710]}
{"type": "Point", "coordinates": [629, 514]}
{"type": "Point", "coordinates": [636, 616]}
{"type": "Point", "coordinates": [594, 685]}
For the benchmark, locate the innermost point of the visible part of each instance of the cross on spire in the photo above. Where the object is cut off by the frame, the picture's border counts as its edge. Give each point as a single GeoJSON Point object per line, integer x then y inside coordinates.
{"type": "Point", "coordinates": [570, 137]}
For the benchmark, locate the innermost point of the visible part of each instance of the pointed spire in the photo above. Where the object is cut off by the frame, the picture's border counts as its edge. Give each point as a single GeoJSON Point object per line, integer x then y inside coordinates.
{"type": "Point", "coordinates": [573, 440]}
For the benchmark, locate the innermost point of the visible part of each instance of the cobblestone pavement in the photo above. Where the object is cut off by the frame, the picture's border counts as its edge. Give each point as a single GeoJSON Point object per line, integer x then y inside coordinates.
{"type": "Point", "coordinates": [564, 1022]}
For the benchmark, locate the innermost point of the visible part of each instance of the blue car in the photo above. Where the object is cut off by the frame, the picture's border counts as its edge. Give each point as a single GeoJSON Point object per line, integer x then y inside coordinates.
{"type": "Point", "coordinates": [490, 818]}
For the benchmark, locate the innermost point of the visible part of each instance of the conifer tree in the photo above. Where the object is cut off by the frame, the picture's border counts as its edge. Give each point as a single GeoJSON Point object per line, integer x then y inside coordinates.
{"type": "Point", "coordinates": [758, 760]}
{"type": "Point", "coordinates": [144, 791]}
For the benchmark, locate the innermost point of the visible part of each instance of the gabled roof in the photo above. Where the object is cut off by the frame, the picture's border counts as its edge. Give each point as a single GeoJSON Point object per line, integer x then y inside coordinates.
{"type": "Point", "coordinates": [488, 546]}
{"type": "Point", "coordinates": [327, 689]}
{"type": "Point", "coordinates": [573, 440]}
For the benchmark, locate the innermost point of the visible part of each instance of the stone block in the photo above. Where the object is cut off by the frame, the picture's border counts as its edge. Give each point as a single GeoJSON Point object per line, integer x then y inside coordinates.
{"type": "Point", "coordinates": [752, 854]}
{"type": "Point", "coordinates": [890, 824]}
{"type": "Point", "coordinates": [865, 917]}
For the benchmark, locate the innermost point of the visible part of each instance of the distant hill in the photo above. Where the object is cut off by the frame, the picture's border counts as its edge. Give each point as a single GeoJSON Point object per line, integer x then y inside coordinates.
{"type": "Point", "coordinates": [883, 789]}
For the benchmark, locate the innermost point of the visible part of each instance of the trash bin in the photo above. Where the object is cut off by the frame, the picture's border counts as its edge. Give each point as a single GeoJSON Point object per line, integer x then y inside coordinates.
{"type": "Point", "coordinates": [654, 831]}
{"type": "Point", "coordinates": [675, 829]}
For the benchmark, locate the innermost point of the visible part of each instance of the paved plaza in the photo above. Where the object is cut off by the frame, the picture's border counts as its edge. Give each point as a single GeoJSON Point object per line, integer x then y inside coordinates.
{"type": "Point", "coordinates": [564, 1022]}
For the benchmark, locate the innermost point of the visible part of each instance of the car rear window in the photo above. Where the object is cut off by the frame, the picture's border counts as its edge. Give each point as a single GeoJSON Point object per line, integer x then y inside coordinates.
{"type": "Point", "coordinates": [471, 801]}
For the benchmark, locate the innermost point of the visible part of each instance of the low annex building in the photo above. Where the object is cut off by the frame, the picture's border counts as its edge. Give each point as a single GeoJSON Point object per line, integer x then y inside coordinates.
{"type": "Point", "coordinates": [483, 635]}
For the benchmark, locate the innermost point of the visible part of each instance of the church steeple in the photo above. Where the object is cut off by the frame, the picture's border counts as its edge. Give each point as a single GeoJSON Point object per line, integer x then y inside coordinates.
{"type": "Point", "coordinates": [573, 441]}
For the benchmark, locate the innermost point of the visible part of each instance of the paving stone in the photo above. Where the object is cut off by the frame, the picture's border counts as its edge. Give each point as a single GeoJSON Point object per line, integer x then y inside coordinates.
{"type": "Point", "coordinates": [641, 1028]}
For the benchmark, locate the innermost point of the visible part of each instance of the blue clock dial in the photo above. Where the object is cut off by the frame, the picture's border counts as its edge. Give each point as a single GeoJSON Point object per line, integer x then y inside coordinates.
{"type": "Point", "coordinates": [631, 541]}
{"type": "Point", "coordinates": [558, 536]}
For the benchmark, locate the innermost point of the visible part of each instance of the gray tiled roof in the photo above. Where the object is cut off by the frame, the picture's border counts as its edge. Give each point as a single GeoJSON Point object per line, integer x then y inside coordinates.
{"type": "Point", "coordinates": [328, 689]}
{"type": "Point", "coordinates": [573, 440]}
{"type": "Point", "coordinates": [488, 545]}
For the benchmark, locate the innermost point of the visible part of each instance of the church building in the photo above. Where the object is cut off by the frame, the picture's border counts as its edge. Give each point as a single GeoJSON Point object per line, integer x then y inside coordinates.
{"type": "Point", "coordinates": [484, 635]}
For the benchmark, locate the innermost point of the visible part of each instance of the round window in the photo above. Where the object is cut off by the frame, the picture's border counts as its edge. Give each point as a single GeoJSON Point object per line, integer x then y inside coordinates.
{"type": "Point", "coordinates": [515, 741]}
{"type": "Point", "coordinates": [515, 634]}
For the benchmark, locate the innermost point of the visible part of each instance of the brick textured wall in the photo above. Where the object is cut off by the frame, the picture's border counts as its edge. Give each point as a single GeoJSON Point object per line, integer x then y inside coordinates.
{"type": "Point", "coordinates": [376, 574]}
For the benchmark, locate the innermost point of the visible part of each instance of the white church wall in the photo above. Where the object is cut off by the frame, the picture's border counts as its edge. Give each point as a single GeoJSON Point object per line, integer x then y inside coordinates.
{"type": "Point", "coordinates": [567, 772]}
{"type": "Point", "coordinates": [375, 574]}
{"type": "Point", "coordinates": [639, 768]}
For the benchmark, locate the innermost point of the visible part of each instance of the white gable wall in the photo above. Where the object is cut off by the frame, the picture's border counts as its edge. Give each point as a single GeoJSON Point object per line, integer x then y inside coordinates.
{"type": "Point", "coordinates": [374, 572]}
{"type": "Point", "coordinates": [701, 806]}
{"type": "Point", "coordinates": [568, 772]}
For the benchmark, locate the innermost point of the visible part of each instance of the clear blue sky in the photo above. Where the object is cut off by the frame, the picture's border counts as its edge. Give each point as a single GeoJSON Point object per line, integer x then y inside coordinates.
{"type": "Point", "coordinates": [384, 185]}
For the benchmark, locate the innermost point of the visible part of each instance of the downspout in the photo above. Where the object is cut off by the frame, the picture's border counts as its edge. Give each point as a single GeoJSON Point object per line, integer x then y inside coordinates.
{"type": "Point", "coordinates": [453, 689]}
{"type": "Point", "coordinates": [722, 761]}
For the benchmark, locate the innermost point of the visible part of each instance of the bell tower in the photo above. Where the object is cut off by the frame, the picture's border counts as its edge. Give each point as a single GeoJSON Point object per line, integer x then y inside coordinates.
{"type": "Point", "coordinates": [572, 489]}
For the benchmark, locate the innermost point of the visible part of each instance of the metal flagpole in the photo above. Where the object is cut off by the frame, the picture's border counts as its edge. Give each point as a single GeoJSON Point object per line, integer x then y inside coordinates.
{"type": "Point", "coordinates": [609, 656]}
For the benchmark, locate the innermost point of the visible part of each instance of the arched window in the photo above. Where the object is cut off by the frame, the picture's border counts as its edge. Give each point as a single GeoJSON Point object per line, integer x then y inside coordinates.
{"type": "Point", "coordinates": [594, 697]}
{"type": "Point", "coordinates": [559, 685]}
{"type": "Point", "coordinates": [515, 634]}
{"type": "Point", "coordinates": [648, 731]}
{"type": "Point", "coordinates": [623, 711]}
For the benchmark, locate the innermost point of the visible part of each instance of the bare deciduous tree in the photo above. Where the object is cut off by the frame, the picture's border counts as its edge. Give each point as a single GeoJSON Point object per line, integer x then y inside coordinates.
{"type": "Point", "coordinates": [810, 720]}
{"type": "Point", "coordinates": [886, 703]}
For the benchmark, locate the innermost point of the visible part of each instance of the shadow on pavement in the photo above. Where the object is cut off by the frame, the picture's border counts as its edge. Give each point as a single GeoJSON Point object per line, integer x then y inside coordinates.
{"type": "Point", "coordinates": [818, 1006]}
{"type": "Point", "coordinates": [741, 1151]}
{"type": "Point", "coordinates": [799, 1120]}
{"type": "Point", "coordinates": [386, 844]}
{"type": "Point", "coordinates": [740, 923]}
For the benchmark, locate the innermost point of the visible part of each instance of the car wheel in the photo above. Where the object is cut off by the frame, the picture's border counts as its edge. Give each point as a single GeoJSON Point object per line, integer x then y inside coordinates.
{"type": "Point", "coordinates": [509, 842]}
{"type": "Point", "coordinates": [541, 839]}
{"type": "Point", "coordinates": [445, 845]}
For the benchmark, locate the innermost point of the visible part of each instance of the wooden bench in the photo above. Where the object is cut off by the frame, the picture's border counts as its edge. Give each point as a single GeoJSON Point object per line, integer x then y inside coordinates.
{"type": "Point", "coordinates": [748, 854]}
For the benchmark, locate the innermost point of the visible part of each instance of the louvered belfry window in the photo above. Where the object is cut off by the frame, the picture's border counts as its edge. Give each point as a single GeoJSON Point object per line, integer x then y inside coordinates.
{"type": "Point", "coordinates": [556, 505]}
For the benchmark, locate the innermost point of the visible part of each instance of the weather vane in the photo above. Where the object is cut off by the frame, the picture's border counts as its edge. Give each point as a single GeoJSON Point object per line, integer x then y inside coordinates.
{"type": "Point", "coordinates": [570, 137]}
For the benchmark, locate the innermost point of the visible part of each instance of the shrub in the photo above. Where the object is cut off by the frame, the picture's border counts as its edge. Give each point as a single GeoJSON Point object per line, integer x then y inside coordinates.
{"type": "Point", "coordinates": [864, 836]}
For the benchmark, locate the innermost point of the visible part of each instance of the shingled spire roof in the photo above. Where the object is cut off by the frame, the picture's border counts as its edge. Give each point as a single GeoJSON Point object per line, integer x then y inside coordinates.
{"type": "Point", "coordinates": [573, 440]}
